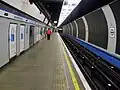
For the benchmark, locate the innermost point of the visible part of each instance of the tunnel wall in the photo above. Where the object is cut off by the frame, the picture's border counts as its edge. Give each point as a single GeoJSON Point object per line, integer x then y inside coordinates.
{"type": "Point", "coordinates": [116, 10]}
{"type": "Point", "coordinates": [81, 29]}
{"type": "Point", "coordinates": [74, 29]}
{"type": "Point", "coordinates": [101, 28]}
{"type": "Point", "coordinates": [98, 33]}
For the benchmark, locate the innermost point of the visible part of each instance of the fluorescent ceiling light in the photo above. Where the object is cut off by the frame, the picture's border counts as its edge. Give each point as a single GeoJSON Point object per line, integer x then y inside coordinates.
{"type": "Point", "coordinates": [55, 21]}
{"type": "Point", "coordinates": [67, 7]}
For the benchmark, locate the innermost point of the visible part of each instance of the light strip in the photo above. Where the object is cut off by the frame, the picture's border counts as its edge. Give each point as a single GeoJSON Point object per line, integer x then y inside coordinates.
{"type": "Point", "coordinates": [67, 7]}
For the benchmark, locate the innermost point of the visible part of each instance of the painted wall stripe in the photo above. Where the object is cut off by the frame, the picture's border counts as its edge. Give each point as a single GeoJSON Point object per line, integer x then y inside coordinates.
{"type": "Point", "coordinates": [111, 26]}
{"type": "Point", "coordinates": [71, 28]}
{"type": "Point", "coordinates": [12, 16]}
{"type": "Point", "coordinates": [86, 29]}
{"type": "Point", "coordinates": [17, 17]}
{"type": "Point", "coordinates": [109, 57]}
{"type": "Point", "coordinates": [81, 76]}
{"type": "Point", "coordinates": [76, 29]}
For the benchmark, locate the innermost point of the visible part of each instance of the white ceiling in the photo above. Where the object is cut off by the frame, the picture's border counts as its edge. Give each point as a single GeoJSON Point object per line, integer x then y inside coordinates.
{"type": "Point", "coordinates": [67, 7]}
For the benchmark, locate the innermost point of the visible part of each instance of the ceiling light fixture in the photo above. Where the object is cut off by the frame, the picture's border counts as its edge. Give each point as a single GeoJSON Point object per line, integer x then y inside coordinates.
{"type": "Point", "coordinates": [67, 7]}
{"type": "Point", "coordinates": [55, 21]}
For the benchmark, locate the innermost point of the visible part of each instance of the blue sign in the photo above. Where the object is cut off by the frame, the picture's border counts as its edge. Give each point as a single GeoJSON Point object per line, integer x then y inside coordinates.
{"type": "Point", "coordinates": [12, 37]}
{"type": "Point", "coordinates": [21, 35]}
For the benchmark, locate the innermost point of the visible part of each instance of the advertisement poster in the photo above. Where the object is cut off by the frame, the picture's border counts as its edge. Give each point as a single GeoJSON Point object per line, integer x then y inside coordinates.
{"type": "Point", "coordinates": [22, 29]}
{"type": "Point", "coordinates": [12, 39]}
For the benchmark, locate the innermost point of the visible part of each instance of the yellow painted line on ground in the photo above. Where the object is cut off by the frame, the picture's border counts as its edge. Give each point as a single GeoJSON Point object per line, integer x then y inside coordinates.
{"type": "Point", "coordinates": [74, 80]}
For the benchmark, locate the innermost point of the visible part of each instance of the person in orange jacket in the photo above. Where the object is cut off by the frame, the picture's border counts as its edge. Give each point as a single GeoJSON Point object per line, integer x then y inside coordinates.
{"type": "Point", "coordinates": [49, 32]}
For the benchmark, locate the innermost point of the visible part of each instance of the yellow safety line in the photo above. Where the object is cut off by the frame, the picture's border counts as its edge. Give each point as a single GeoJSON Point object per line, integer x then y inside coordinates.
{"type": "Point", "coordinates": [74, 80]}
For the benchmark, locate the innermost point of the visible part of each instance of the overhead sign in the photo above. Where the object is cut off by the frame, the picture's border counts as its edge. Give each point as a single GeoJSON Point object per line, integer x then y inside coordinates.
{"type": "Point", "coordinates": [67, 7]}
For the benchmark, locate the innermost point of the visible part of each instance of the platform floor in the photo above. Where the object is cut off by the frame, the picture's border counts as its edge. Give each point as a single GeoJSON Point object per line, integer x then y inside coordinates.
{"type": "Point", "coordinates": [42, 67]}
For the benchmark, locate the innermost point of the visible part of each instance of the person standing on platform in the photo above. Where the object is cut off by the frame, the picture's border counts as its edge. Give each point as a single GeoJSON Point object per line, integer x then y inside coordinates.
{"type": "Point", "coordinates": [49, 32]}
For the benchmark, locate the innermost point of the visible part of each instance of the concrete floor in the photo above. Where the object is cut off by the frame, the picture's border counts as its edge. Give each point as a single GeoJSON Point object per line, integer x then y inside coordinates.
{"type": "Point", "coordinates": [39, 68]}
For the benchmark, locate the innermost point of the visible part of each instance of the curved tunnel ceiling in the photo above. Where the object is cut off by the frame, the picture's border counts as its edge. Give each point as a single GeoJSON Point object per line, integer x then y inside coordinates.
{"type": "Point", "coordinates": [67, 7]}
{"type": "Point", "coordinates": [53, 8]}
{"type": "Point", "coordinates": [85, 7]}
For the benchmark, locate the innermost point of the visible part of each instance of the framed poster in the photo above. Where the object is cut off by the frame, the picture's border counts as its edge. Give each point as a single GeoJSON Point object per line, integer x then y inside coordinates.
{"type": "Point", "coordinates": [12, 39]}
{"type": "Point", "coordinates": [22, 36]}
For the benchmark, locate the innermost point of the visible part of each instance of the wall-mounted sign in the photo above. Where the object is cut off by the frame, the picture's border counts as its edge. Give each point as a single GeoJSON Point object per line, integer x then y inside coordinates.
{"type": "Point", "coordinates": [112, 32]}
{"type": "Point", "coordinates": [12, 41]}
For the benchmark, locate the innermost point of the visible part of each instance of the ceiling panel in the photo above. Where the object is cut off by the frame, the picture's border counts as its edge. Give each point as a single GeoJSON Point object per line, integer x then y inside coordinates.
{"type": "Point", "coordinates": [85, 7]}
{"type": "Point", "coordinates": [53, 7]}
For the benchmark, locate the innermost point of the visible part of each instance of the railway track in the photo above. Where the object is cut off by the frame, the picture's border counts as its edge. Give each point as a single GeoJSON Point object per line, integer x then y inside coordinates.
{"type": "Point", "coordinates": [99, 74]}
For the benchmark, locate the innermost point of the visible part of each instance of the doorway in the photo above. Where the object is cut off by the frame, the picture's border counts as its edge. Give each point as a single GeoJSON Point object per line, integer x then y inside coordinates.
{"type": "Point", "coordinates": [31, 35]}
